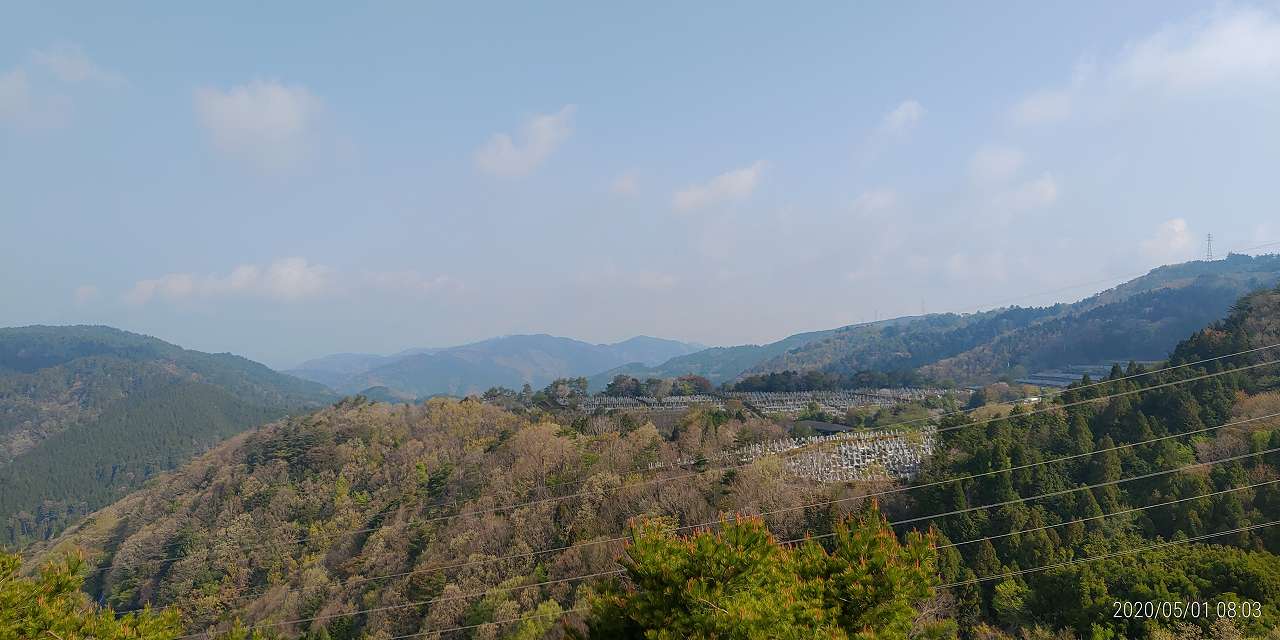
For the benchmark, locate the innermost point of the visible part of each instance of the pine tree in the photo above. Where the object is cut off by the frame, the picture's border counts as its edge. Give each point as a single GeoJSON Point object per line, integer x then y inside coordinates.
{"type": "Point", "coordinates": [51, 605]}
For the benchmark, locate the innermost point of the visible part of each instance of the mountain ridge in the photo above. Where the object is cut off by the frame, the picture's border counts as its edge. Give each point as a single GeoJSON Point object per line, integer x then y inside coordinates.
{"type": "Point", "coordinates": [350, 520]}
{"type": "Point", "coordinates": [511, 361]}
{"type": "Point", "coordinates": [87, 412]}
{"type": "Point", "coordinates": [974, 348]}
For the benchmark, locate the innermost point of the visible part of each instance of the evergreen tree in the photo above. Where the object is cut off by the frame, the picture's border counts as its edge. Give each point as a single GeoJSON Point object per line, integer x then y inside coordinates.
{"type": "Point", "coordinates": [740, 583]}
{"type": "Point", "coordinates": [51, 605]}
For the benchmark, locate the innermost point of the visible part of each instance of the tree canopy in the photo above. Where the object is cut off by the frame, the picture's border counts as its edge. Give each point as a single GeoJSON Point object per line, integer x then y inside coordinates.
{"type": "Point", "coordinates": [739, 582]}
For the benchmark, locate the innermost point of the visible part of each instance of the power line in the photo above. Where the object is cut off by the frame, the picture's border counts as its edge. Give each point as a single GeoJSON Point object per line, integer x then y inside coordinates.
{"type": "Point", "coordinates": [1114, 554]}
{"type": "Point", "coordinates": [828, 502]}
{"type": "Point", "coordinates": [1080, 520]}
{"type": "Point", "coordinates": [477, 626]}
{"type": "Point", "coordinates": [826, 535]}
{"type": "Point", "coordinates": [881, 427]}
{"type": "Point", "coordinates": [1099, 383]}
{"type": "Point", "coordinates": [945, 586]}
{"type": "Point", "coordinates": [164, 460]}
{"type": "Point", "coordinates": [652, 481]}
{"type": "Point", "coordinates": [1111, 278]}
{"type": "Point", "coordinates": [878, 494]}
{"type": "Point", "coordinates": [882, 493]}
{"type": "Point", "coordinates": [1051, 494]}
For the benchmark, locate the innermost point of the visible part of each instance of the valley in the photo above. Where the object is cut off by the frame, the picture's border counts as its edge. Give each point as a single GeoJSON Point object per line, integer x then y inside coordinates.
{"type": "Point", "coordinates": [408, 518]}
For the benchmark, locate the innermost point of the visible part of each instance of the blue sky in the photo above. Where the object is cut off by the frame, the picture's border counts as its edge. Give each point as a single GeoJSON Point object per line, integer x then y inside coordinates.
{"type": "Point", "coordinates": [290, 180]}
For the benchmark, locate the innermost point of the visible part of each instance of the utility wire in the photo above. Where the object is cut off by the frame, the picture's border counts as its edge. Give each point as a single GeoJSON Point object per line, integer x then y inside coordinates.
{"type": "Point", "coordinates": [652, 481]}
{"type": "Point", "coordinates": [797, 540]}
{"type": "Point", "coordinates": [895, 523]}
{"type": "Point", "coordinates": [945, 586]}
{"type": "Point", "coordinates": [1114, 554]}
{"type": "Point", "coordinates": [882, 493]}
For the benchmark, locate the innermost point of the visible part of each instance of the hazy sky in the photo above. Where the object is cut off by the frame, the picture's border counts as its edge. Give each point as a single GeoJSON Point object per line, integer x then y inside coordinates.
{"type": "Point", "coordinates": [284, 181]}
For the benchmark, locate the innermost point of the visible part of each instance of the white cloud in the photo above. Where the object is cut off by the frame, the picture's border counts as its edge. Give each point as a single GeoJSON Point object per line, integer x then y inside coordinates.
{"type": "Point", "coordinates": [409, 282]}
{"type": "Point", "coordinates": [172, 286]}
{"type": "Point", "coordinates": [1044, 107]}
{"type": "Point", "coordinates": [1263, 233]}
{"type": "Point", "coordinates": [903, 117]}
{"type": "Point", "coordinates": [653, 281]}
{"type": "Point", "coordinates": [265, 123]}
{"type": "Point", "coordinates": [1048, 106]}
{"type": "Point", "coordinates": [69, 64]}
{"type": "Point", "coordinates": [875, 201]}
{"type": "Point", "coordinates": [970, 267]}
{"type": "Point", "coordinates": [15, 97]}
{"type": "Point", "coordinates": [1172, 240]}
{"type": "Point", "coordinates": [286, 279]}
{"type": "Point", "coordinates": [1227, 45]}
{"type": "Point", "coordinates": [995, 164]}
{"type": "Point", "coordinates": [611, 277]}
{"type": "Point", "coordinates": [737, 184]}
{"type": "Point", "coordinates": [34, 94]}
{"type": "Point", "coordinates": [1032, 194]}
{"type": "Point", "coordinates": [84, 294]}
{"type": "Point", "coordinates": [539, 138]}
{"type": "Point", "coordinates": [626, 184]}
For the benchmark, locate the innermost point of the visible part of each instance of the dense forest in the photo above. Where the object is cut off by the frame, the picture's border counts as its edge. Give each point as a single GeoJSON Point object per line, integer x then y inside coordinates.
{"type": "Point", "coordinates": [508, 361]}
{"type": "Point", "coordinates": [365, 519]}
{"type": "Point", "coordinates": [88, 413]}
{"type": "Point", "coordinates": [814, 380]}
{"type": "Point", "coordinates": [686, 385]}
{"type": "Point", "coordinates": [717, 364]}
{"type": "Point", "coordinates": [1140, 319]}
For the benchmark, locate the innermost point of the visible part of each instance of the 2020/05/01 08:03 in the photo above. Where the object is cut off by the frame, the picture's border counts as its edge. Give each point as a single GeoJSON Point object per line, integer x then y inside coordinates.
{"type": "Point", "coordinates": [1193, 609]}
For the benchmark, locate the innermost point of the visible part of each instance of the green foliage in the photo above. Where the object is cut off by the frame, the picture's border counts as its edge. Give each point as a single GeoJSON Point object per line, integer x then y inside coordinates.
{"type": "Point", "coordinates": [51, 605]}
{"type": "Point", "coordinates": [1185, 573]}
{"type": "Point", "coordinates": [1141, 319]}
{"type": "Point", "coordinates": [89, 413]}
{"type": "Point", "coordinates": [277, 524]}
{"type": "Point", "coordinates": [815, 380]}
{"type": "Point", "coordinates": [624, 385]}
{"type": "Point", "coordinates": [147, 432]}
{"type": "Point", "coordinates": [738, 582]}
{"type": "Point", "coordinates": [1077, 530]}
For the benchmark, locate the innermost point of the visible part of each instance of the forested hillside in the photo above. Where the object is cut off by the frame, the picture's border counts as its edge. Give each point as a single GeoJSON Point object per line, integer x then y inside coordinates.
{"type": "Point", "coordinates": [88, 413]}
{"type": "Point", "coordinates": [1139, 320]}
{"type": "Point", "coordinates": [365, 519]}
{"type": "Point", "coordinates": [717, 364]}
{"type": "Point", "coordinates": [509, 361]}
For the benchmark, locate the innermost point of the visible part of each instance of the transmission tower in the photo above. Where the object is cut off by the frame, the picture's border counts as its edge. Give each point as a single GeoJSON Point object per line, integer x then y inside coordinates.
{"type": "Point", "coordinates": [1208, 248]}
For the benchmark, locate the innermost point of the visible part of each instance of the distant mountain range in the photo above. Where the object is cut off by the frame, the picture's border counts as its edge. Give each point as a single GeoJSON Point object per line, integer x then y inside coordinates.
{"type": "Point", "coordinates": [1141, 319]}
{"type": "Point", "coordinates": [382, 473]}
{"type": "Point", "coordinates": [87, 413]}
{"type": "Point", "coordinates": [509, 361]}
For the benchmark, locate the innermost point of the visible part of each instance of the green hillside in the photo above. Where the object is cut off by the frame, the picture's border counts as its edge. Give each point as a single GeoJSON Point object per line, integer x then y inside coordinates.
{"type": "Point", "coordinates": [717, 364]}
{"type": "Point", "coordinates": [508, 361]}
{"type": "Point", "coordinates": [388, 519]}
{"type": "Point", "coordinates": [1139, 320]}
{"type": "Point", "coordinates": [89, 413]}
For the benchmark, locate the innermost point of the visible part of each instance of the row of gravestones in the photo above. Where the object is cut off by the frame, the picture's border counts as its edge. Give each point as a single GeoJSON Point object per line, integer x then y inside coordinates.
{"type": "Point", "coordinates": [889, 458]}
{"type": "Point", "coordinates": [783, 402]}
{"type": "Point", "coordinates": [840, 457]}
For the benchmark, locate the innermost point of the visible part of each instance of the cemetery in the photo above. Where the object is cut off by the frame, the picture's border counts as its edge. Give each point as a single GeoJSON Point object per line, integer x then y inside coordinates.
{"type": "Point", "coordinates": [844, 457]}
{"type": "Point", "coordinates": [787, 404]}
